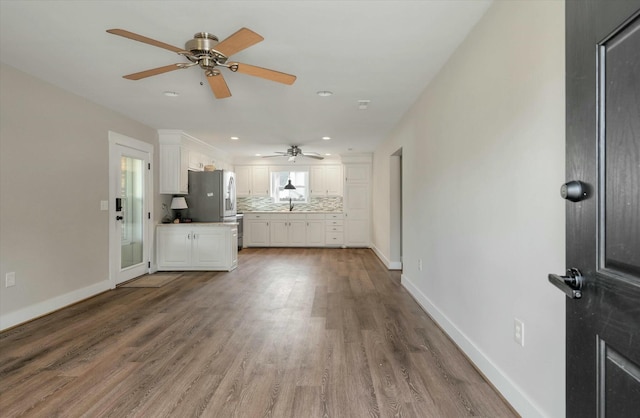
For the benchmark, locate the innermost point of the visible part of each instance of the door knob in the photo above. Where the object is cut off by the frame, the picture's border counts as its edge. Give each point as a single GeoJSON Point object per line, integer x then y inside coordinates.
{"type": "Point", "coordinates": [571, 284]}
{"type": "Point", "coordinates": [119, 218]}
{"type": "Point", "coordinates": [575, 191]}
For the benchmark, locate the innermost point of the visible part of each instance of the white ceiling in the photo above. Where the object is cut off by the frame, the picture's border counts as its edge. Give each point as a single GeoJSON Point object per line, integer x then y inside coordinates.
{"type": "Point", "coordinates": [382, 51]}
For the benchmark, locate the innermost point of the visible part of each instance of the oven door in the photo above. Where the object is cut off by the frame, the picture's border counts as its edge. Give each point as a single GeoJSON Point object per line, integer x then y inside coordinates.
{"type": "Point", "coordinates": [229, 182]}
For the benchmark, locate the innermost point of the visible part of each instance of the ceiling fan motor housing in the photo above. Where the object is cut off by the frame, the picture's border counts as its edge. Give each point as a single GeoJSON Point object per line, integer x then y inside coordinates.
{"type": "Point", "coordinates": [202, 46]}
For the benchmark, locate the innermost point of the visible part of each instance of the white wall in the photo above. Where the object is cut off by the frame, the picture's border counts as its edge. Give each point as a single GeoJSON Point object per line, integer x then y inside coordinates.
{"type": "Point", "coordinates": [483, 160]}
{"type": "Point", "coordinates": [54, 154]}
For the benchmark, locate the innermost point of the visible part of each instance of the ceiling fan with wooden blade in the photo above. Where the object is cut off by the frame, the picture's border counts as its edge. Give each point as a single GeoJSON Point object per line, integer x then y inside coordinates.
{"type": "Point", "coordinates": [293, 152]}
{"type": "Point", "coordinates": [207, 52]}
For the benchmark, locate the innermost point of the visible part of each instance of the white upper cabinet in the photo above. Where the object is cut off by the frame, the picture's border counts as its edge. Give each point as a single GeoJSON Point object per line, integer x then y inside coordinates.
{"type": "Point", "coordinates": [325, 180]}
{"type": "Point", "coordinates": [252, 180]}
{"type": "Point", "coordinates": [357, 173]}
{"type": "Point", "coordinates": [180, 153]}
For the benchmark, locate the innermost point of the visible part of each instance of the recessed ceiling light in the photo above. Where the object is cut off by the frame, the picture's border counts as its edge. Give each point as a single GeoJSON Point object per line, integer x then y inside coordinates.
{"type": "Point", "coordinates": [327, 154]}
{"type": "Point", "coordinates": [234, 138]}
{"type": "Point", "coordinates": [326, 138]}
{"type": "Point", "coordinates": [258, 155]}
{"type": "Point", "coordinates": [324, 93]}
{"type": "Point", "coordinates": [171, 93]}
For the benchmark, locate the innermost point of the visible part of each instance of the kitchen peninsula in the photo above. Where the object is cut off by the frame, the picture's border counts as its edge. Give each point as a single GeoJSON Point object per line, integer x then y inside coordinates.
{"type": "Point", "coordinates": [211, 246]}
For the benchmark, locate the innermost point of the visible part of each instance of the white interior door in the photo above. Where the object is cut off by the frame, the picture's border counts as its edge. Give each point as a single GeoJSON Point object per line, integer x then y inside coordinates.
{"type": "Point", "coordinates": [130, 198]}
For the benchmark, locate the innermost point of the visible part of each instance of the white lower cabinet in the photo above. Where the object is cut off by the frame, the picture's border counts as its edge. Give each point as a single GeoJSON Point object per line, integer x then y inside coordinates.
{"type": "Point", "coordinates": [288, 230]}
{"type": "Point", "coordinates": [315, 230]}
{"type": "Point", "coordinates": [334, 229]}
{"type": "Point", "coordinates": [194, 247]}
{"type": "Point", "coordinates": [256, 230]}
{"type": "Point", "coordinates": [285, 229]}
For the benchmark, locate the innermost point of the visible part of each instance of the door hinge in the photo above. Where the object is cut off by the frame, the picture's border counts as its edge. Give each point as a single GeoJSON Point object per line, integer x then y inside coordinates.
{"type": "Point", "coordinates": [148, 215]}
{"type": "Point", "coordinates": [149, 264]}
{"type": "Point", "coordinates": [149, 166]}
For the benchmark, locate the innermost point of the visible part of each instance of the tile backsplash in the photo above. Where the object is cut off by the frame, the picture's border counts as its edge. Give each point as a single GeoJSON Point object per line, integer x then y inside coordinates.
{"type": "Point", "coordinates": [265, 204]}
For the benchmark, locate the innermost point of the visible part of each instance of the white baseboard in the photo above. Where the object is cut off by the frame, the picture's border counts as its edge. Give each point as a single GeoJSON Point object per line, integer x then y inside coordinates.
{"type": "Point", "coordinates": [391, 265]}
{"type": "Point", "coordinates": [509, 390]}
{"type": "Point", "coordinates": [39, 309]}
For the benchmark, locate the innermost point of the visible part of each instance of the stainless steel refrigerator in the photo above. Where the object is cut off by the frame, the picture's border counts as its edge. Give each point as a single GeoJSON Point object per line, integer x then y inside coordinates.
{"type": "Point", "coordinates": [212, 196]}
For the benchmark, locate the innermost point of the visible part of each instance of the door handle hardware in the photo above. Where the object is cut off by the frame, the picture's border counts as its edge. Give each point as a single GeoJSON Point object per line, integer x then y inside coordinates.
{"type": "Point", "coordinates": [571, 284]}
{"type": "Point", "coordinates": [574, 191]}
{"type": "Point", "coordinates": [119, 218]}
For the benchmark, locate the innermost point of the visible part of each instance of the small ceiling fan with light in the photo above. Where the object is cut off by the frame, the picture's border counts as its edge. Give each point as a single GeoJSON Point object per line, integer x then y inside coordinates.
{"type": "Point", "coordinates": [293, 152]}
{"type": "Point", "coordinates": [206, 51]}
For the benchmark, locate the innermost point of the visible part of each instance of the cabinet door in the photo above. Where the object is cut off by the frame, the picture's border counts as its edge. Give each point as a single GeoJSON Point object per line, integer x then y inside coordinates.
{"type": "Point", "coordinates": [209, 247]}
{"type": "Point", "coordinates": [356, 219]}
{"type": "Point", "coordinates": [243, 181]}
{"type": "Point", "coordinates": [174, 162]}
{"type": "Point", "coordinates": [357, 173]}
{"type": "Point", "coordinates": [315, 233]}
{"type": "Point", "coordinates": [316, 181]}
{"type": "Point", "coordinates": [260, 180]}
{"type": "Point", "coordinates": [174, 248]}
{"type": "Point", "coordinates": [234, 249]}
{"type": "Point", "coordinates": [356, 201]}
{"type": "Point", "coordinates": [256, 233]}
{"type": "Point", "coordinates": [297, 233]}
{"type": "Point", "coordinates": [333, 180]}
{"type": "Point", "coordinates": [357, 233]}
{"type": "Point", "coordinates": [279, 233]}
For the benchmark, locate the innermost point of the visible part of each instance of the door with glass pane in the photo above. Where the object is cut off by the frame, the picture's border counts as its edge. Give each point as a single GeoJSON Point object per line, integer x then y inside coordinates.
{"type": "Point", "coordinates": [131, 213]}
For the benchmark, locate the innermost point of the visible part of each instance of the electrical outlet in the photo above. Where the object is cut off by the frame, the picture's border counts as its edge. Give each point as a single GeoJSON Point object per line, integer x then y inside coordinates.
{"type": "Point", "coordinates": [518, 331]}
{"type": "Point", "coordinates": [420, 264]}
{"type": "Point", "coordinates": [10, 279]}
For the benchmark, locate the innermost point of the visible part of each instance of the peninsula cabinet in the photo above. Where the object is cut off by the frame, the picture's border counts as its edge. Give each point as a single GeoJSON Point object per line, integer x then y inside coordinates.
{"type": "Point", "coordinates": [197, 247]}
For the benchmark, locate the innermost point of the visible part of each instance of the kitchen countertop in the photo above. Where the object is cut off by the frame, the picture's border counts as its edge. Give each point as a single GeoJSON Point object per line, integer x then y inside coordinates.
{"type": "Point", "coordinates": [293, 211]}
{"type": "Point", "coordinates": [216, 224]}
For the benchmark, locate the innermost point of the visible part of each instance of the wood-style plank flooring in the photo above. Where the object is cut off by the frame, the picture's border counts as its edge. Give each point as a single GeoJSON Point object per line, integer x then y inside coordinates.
{"type": "Point", "coordinates": [291, 333]}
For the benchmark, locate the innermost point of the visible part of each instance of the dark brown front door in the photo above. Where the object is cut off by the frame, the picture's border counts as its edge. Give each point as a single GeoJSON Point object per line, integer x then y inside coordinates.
{"type": "Point", "coordinates": [603, 220]}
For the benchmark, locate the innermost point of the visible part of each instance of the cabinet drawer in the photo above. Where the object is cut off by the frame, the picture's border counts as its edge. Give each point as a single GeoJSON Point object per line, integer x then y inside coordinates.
{"type": "Point", "coordinates": [296, 216]}
{"type": "Point", "coordinates": [256, 216]}
{"type": "Point", "coordinates": [334, 223]}
{"type": "Point", "coordinates": [334, 238]}
{"type": "Point", "coordinates": [333, 216]}
{"type": "Point", "coordinates": [335, 228]}
{"type": "Point", "coordinates": [278, 217]}
{"type": "Point", "coordinates": [315, 216]}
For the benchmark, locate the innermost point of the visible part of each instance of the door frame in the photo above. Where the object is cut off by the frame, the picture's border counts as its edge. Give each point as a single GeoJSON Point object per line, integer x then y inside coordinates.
{"type": "Point", "coordinates": [116, 140]}
{"type": "Point", "coordinates": [395, 210]}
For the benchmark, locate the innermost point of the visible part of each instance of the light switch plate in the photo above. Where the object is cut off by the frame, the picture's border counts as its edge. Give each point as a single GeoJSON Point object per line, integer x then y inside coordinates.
{"type": "Point", "coordinates": [518, 331]}
{"type": "Point", "coordinates": [104, 205]}
{"type": "Point", "coordinates": [10, 279]}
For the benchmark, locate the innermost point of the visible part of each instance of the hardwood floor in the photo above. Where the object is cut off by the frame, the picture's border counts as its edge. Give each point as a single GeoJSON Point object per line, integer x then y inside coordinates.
{"type": "Point", "coordinates": [290, 333]}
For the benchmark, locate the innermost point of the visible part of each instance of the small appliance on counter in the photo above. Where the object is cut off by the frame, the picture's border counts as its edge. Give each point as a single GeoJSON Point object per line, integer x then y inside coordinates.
{"type": "Point", "coordinates": [212, 196]}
